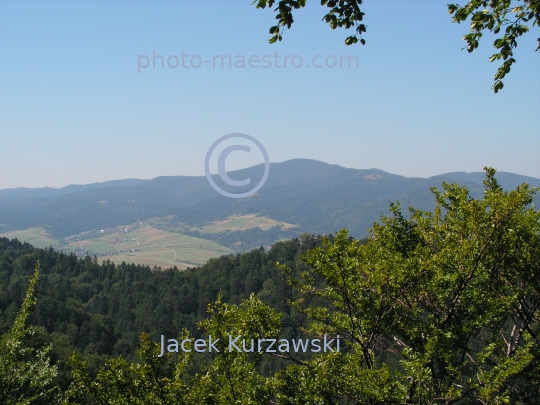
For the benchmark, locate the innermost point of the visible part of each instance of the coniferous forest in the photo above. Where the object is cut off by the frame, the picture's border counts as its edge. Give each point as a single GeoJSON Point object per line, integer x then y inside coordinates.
{"type": "Point", "coordinates": [101, 309]}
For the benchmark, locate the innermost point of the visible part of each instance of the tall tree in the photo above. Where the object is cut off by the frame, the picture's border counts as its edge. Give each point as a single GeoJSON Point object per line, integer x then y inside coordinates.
{"type": "Point", "coordinates": [442, 307]}
{"type": "Point", "coordinates": [26, 374]}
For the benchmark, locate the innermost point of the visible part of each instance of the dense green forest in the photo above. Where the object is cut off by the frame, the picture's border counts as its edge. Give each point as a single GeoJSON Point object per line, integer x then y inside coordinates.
{"type": "Point", "coordinates": [437, 307]}
{"type": "Point", "coordinates": [102, 309]}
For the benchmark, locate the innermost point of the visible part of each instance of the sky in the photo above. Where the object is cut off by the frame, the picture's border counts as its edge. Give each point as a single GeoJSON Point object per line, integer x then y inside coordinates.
{"type": "Point", "coordinates": [78, 106]}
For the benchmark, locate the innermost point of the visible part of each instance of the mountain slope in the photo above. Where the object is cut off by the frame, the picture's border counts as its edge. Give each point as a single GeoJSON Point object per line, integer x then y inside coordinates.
{"type": "Point", "coordinates": [319, 197]}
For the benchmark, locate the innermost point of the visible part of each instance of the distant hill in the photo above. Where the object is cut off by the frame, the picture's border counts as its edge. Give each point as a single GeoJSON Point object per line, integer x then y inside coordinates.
{"type": "Point", "coordinates": [508, 181]}
{"type": "Point", "coordinates": [316, 196]}
{"type": "Point", "coordinates": [13, 196]}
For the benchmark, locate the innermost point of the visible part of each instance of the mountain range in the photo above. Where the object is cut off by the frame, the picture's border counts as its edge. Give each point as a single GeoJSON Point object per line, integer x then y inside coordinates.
{"type": "Point", "coordinates": [316, 196]}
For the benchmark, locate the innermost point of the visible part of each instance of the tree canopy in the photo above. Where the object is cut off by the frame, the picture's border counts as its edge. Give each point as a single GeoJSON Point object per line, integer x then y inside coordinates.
{"type": "Point", "coordinates": [510, 16]}
{"type": "Point", "coordinates": [439, 308]}
{"type": "Point", "coordinates": [26, 374]}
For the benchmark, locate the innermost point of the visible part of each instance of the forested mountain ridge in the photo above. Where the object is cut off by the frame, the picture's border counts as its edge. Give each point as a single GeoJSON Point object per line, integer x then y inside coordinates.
{"type": "Point", "coordinates": [318, 197]}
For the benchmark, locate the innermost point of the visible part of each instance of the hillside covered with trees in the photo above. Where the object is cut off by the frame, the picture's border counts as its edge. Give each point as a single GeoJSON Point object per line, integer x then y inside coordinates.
{"type": "Point", "coordinates": [317, 197]}
{"type": "Point", "coordinates": [101, 309]}
{"type": "Point", "coordinates": [440, 307]}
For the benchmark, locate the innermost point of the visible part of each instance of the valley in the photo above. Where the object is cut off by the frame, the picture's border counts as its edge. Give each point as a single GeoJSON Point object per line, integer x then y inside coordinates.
{"type": "Point", "coordinates": [159, 242]}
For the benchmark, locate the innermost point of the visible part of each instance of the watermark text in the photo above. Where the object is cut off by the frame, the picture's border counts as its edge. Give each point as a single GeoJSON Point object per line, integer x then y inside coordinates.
{"type": "Point", "coordinates": [276, 60]}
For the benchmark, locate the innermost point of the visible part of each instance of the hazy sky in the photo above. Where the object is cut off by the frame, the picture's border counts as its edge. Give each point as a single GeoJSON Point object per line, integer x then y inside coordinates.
{"type": "Point", "coordinates": [75, 109]}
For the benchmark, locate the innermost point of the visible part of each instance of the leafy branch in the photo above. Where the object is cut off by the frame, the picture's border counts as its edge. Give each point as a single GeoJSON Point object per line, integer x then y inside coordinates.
{"type": "Point", "coordinates": [494, 16]}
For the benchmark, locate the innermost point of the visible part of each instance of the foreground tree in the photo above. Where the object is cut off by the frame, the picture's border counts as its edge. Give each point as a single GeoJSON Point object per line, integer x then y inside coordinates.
{"type": "Point", "coordinates": [229, 378]}
{"type": "Point", "coordinates": [153, 380]}
{"type": "Point", "coordinates": [486, 16]}
{"type": "Point", "coordinates": [442, 307]}
{"type": "Point", "coordinates": [26, 374]}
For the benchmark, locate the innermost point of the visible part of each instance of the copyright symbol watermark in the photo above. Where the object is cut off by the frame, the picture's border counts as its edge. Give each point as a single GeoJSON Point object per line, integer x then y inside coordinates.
{"type": "Point", "coordinates": [221, 166]}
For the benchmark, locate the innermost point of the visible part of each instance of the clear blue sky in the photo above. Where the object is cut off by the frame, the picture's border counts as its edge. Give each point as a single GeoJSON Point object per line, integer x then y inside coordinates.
{"type": "Point", "coordinates": [75, 110]}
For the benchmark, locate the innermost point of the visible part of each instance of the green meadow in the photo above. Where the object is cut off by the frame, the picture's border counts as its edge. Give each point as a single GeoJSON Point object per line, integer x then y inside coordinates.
{"type": "Point", "coordinates": [147, 245]}
{"type": "Point", "coordinates": [242, 222]}
{"type": "Point", "coordinates": [38, 237]}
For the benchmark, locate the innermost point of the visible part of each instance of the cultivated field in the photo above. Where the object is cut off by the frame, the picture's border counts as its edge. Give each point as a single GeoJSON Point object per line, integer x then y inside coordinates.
{"type": "Point", "coordinates": [149, 246]}
{"type": "Point", "coordinates": [38, 237]}
{"type": "Point", "coordinates": [241, 223]}
{"type": "Point", "coordinates": [144, 244]}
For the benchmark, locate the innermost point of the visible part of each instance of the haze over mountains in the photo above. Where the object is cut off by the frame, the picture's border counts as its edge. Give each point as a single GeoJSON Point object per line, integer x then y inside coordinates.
{"type": "Point", "coordinates": [316, 196]}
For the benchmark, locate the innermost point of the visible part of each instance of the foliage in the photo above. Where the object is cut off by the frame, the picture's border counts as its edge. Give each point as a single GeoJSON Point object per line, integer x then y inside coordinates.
{"type": "Point", "coordinates": [342, 13]}
{"type": "Point", "coordinates": [485, 15]}
{"type": "Point", "coordinates": [442, 307]}
{"type": "Point", "coordinates": [100, 310]}
{"type": "Point", "coordinates": [151, 381]}
{"type": "Point", "coordinates": [26, 375]}
{"type": "Point", "coordinates": [231, 379]}
{"type": "Point", "coordinates": [492, 16]}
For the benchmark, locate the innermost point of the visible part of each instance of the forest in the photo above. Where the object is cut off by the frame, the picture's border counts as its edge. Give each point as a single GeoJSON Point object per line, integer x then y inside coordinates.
{"type": "Point", "coordinates": [101, 309]}
{"type": "Point", "coordinates": [435, 307]}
